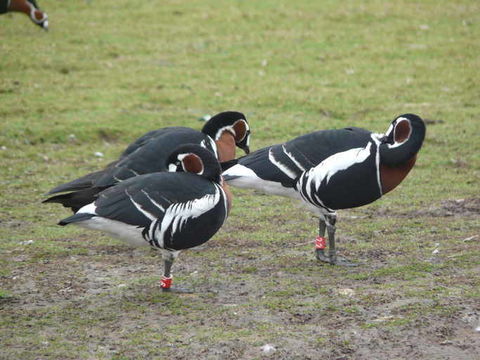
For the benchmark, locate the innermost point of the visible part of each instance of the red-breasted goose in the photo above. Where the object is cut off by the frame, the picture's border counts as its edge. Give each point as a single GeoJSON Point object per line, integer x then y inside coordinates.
{"type": "Point", "coordinates": [220, 135]}
{"type": "Point", "coordinates": [332, 169]}
{"type": "Point", "coordinates": [170, 211]}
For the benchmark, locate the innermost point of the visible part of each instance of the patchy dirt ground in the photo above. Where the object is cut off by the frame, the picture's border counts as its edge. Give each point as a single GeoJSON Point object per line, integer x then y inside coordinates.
{"type": "Point", "coordinates": [251, 299]}
{"type": "Point", "coordinates": [72, 99]}
{"type": "Point", "coordinates": [446, 208]}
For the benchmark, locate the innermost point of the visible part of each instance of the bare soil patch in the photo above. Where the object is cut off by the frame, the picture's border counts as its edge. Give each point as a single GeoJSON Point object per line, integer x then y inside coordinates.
{"type": "Point", "coordinates": [446, 208]}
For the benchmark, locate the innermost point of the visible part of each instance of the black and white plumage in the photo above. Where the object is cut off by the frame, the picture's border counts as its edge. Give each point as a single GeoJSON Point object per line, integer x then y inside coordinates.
{"type": "Point", "coordinates": [332, 169]}
{"type": "Point", "coordinates": [170, 211]}
{"type": "Point", "coordinates": [220, 135]}
{"type": "Point", "coordinates": [29, 8]}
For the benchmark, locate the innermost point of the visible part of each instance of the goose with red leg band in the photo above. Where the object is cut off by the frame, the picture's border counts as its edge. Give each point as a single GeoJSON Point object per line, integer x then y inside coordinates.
{"type": "Point", "coordinates": [329, 170]}
{"type": "Point", "coordinates": [169, 211]}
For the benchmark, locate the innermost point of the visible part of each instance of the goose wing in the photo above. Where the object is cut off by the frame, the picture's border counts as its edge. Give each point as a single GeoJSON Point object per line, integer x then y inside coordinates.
{"type": "Point", "coordinates": [151, 153]}
{"type": "Point", "coordinates": [145, 155]}
{"type": "Point", "coordinates": [285, 163]}
{"type": "Point", "coordinates": [143, 199]}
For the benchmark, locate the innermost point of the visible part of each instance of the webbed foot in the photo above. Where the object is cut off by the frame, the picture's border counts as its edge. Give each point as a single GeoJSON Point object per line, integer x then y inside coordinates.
{"type": "Point", "coordinates": [333, 260]}
{"type": "Point", "coordinates": [177, 290]}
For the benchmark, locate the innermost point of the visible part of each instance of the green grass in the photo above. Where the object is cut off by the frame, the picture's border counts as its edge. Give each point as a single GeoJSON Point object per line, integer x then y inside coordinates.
{"type": "Point", "coordinates": [108, 71]}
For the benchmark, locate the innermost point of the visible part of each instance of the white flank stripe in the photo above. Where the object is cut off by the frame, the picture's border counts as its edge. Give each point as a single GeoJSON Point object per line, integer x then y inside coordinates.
{"type": "Point", "coordinates": [292, 158]}
{"type": "Point", "coordinates": [337, 162]}
{"type": "Point", "coordinates": [178, 214]}
{"type": "Point", "coordinates": [139, 208]}
{"type": "Point", "coordinates": [162, 209]}
{"type": "Point", "coordinates": [283, 168]}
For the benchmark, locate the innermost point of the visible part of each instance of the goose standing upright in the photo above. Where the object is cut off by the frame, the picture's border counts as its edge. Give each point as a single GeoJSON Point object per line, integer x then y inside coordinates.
{"type": "Point", "coordinates": [332, 169]}
{"type": "Point", "coordinates": [170, 211]}
{"type": "Point", "coordinates": [29, 8]}
{"type": "Point", "coordinates": [220, 135]}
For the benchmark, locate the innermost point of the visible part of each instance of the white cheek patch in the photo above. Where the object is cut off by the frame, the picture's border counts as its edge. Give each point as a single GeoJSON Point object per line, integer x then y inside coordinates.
{"type": "Point", "coordinates": [172, 168]}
